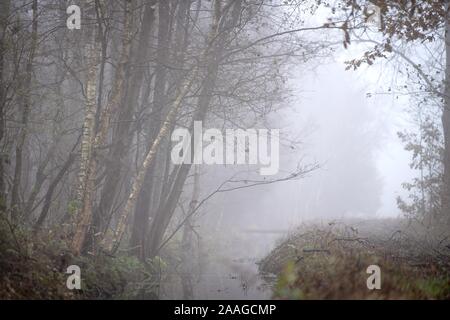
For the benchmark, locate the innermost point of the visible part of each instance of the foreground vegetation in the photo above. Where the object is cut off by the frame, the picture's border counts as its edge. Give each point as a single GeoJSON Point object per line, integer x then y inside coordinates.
{"type": "Point", "coordinates": [34, 267]}
{"type": "Point", "coordinates": [330, 261]}
{"type": "Point", "coordinates": [326, 261]}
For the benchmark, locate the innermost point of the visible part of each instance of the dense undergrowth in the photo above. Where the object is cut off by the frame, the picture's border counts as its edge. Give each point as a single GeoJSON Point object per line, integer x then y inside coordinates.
{"type": "Point", "coordinates": [34, 267]}
{"type": "Point", "coordinates": [330, 262]}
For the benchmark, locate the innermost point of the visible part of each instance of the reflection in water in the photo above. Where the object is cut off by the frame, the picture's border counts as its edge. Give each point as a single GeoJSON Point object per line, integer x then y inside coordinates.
{"type": "Point", "coordinates": [229, 270]}
{"type": "Point", "coordinates": [237, 279]}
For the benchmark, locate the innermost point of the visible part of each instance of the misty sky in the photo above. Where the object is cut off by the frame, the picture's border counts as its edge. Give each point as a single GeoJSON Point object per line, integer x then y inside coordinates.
{"type": "Point", "coordinates": [332, 99]}
{"type": "Point", "coordinates": [352, 136]}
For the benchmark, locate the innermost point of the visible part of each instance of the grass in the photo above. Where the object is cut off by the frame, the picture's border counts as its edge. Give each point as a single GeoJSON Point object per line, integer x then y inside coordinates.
{"type": "Point", "coordinates": [330, 262]}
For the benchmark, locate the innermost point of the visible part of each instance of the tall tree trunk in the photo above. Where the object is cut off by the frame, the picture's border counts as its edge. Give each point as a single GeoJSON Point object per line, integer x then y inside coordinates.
{"type": "Point", "coordinates": [187, 241]}
{"type": "Point", "coordinates": [142, 209]}
{"type": "Point", "coordinates": [4, 12]}
{"type": "Point", "coordinates": [122, 135]}
{"type": "Point", "coordinates": [84, 192]}
{"type": "Point", "coordinates": [26, 105]}
{"type": "Point", "coordinates": [155, 190]}
{"type": "Point", "coordinates": [167, 208]}
{"type": "Point", "coordinates": [446, 122]}
{"type": "Point", "coordinates": [111, 242]}
{"type": "Point", "coordinates": [52, 187]}
{"type": "Point", "coordinates": [38, 181]}
{"type": "Point", "coordinates": [142, 214]}
{"type": "Point", "coordinates": [87, 186]}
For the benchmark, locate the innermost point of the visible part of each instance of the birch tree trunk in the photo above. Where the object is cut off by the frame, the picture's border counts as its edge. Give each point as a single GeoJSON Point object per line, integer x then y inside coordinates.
{"type": "Point", "coordinates": [93, 141]}
{"type": "Point", "coordinates": [84, 192]}
{"type": "Point", "coordinates": [167, 208]}
{"type": "Point", "coordinates": [121, 135]}
{"type": "Point", "coordinates": [112, 242]}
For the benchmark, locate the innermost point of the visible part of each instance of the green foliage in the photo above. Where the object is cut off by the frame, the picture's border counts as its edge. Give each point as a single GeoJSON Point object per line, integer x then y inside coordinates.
{"type": "Point", "coordinates": [438, 287]}
{"type": "Point", "coordinates": [426, 147]}
{"type": "Point", "coordinates": [72, 207]}
{"type": "Point", "coordinates": [106, 277]}
{"type": "Point", "coordinates": [286, 283]}
{"type": "Point", "coordinates": [27, 271]}
{"type": "Point", "coordinates": [34, 267]}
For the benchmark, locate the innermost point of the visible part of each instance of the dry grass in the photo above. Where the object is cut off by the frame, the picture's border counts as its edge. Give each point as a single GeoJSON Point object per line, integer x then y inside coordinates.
{"type": "Point", "coordinates": [330, 261]}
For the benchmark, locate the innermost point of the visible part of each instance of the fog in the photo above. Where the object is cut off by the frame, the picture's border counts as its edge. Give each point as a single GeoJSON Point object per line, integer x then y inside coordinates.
{"type": "Point", "coordinates": [348, 133]}
{"type": "Point", "coordinates": [100, 102]}
{"type": "Point", "coordinates": [352, 138]}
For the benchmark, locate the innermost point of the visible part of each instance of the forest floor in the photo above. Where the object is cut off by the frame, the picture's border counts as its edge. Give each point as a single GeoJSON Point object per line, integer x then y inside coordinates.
{"type": "Point", "coordinates": [34, 267]}
{"type": "Point", "coordinates": [330, 261]}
